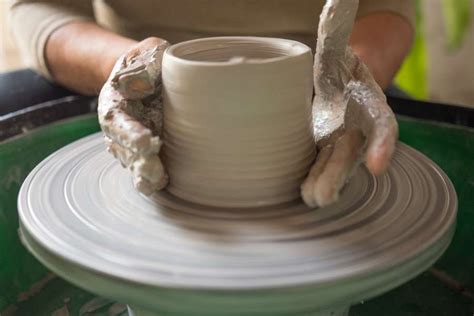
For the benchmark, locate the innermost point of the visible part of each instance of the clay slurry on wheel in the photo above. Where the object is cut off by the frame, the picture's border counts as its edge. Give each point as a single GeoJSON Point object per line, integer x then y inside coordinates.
{"type": "Point", "coordinates": [163, 240]}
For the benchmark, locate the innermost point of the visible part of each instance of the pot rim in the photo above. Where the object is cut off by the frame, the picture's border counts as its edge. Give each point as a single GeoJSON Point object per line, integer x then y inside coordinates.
{"type": "Point", "coordinates": [293, 49]}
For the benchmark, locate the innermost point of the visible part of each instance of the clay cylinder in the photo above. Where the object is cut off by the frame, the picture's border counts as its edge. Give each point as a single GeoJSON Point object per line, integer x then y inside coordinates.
{"type": "Point", "coordinates": [237, 120]}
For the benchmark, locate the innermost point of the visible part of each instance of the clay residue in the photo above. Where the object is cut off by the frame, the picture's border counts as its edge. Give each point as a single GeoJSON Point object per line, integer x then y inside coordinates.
{"type": "Point", "coordinates": [130, 115]}
{"type": "Point", "coordinates": [351, 119]}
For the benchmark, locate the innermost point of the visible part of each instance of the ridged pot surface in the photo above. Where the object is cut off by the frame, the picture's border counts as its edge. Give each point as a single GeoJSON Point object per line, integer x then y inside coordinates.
{"type": "Point", "coordinates": [237, 120]}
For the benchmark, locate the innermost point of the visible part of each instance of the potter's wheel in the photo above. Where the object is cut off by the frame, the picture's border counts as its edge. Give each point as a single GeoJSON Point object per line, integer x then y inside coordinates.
{"type": "Point", "coordinates": [81, 217]}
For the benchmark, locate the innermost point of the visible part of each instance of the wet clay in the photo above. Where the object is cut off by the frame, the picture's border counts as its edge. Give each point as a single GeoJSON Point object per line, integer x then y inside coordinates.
{"type": "Point", "coordinates": [237, 120]}
{"type": "Point", "coordinates": [351, 118]}
{"type": "Point", "coordinates": [235, 117]}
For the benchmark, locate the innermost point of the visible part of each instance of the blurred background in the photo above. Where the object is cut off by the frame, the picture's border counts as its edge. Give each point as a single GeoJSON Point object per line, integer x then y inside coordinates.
{"type": "Point", "coordinates": [440, 67]}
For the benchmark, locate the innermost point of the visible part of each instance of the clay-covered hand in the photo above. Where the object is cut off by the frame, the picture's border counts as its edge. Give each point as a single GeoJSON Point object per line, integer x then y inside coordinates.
{"type": "Point", "coordinates": [130, 113]}
{"type": "Point", "coordinates": [352, 120]}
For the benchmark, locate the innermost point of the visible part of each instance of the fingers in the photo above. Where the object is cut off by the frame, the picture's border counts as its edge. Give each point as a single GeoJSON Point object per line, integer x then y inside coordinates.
{"type": "Point", "coordinates": [124, 155]}
{"type": "Point", "coordinates": [382, 142]}
{"type": "Point", "coordinates": [333, 167]}
{"type": "Point", "coordinates": [374, 117]}
{"type": "Point", "coordinates": [149, 174]}
{"type": "Point", "coordinates": [136, 148]}
{"type": "Point", "coordinates": [150, 145]}
{"type": "Point", "coordinates": [130, 116]}
{"type": "Point", "coordinates": [371, 111]}
{"type": "Point", "coordinates": [119, 126]}
{"type": "Point", "coordinates": [147, 169]}
{"type": "Point", "coordinates": [377, 121]}
{"type": "Point", "coordinates": [129, 132]}
{"type": "Point", "coordinates": [122, 116]}
{"type": "Point", "coordinates": [139, 75]}
{"type": "Point", "coordinates": [309, 185]}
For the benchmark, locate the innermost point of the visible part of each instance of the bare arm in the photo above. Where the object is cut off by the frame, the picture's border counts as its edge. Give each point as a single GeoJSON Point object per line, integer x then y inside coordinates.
{"type": "Point", "coordinates": [81, 55]}
{"type": "Point", "coordinates": [382, 40]}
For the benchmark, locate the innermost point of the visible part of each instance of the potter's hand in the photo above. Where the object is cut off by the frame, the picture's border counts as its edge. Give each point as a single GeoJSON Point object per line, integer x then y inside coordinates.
{"type": "Point", "coordinates": [352, 121]}
{"type": "Point", "coordinates": [130, 113]}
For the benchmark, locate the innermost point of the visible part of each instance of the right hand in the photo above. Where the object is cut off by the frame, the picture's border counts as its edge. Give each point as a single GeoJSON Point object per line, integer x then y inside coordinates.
{"type": "Point", "coordinates": [352, 120]}
{"type": "Point", "coordinates": [130, 113]}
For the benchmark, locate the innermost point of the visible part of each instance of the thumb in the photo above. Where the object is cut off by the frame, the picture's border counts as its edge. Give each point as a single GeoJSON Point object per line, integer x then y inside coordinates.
{"type": "Point", "coordinates": [140, 70]}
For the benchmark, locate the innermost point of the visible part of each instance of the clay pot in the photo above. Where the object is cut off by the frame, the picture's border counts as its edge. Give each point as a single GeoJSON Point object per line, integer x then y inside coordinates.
{"type": "Point", "coordinates": [237, 120]}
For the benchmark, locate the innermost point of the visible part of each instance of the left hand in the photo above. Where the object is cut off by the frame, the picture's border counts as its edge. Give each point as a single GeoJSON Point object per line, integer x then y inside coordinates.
{"type": "Point", "coordinates": [352, 120]}
{"type": "Point", "coordinates": [130, 113]}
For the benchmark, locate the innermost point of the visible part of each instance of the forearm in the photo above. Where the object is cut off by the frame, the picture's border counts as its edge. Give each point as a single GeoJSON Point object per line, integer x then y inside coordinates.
{"type": "Point", "coordinates": [80, 55]}
{"type": "Point", "coordinates": [382, 40]}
